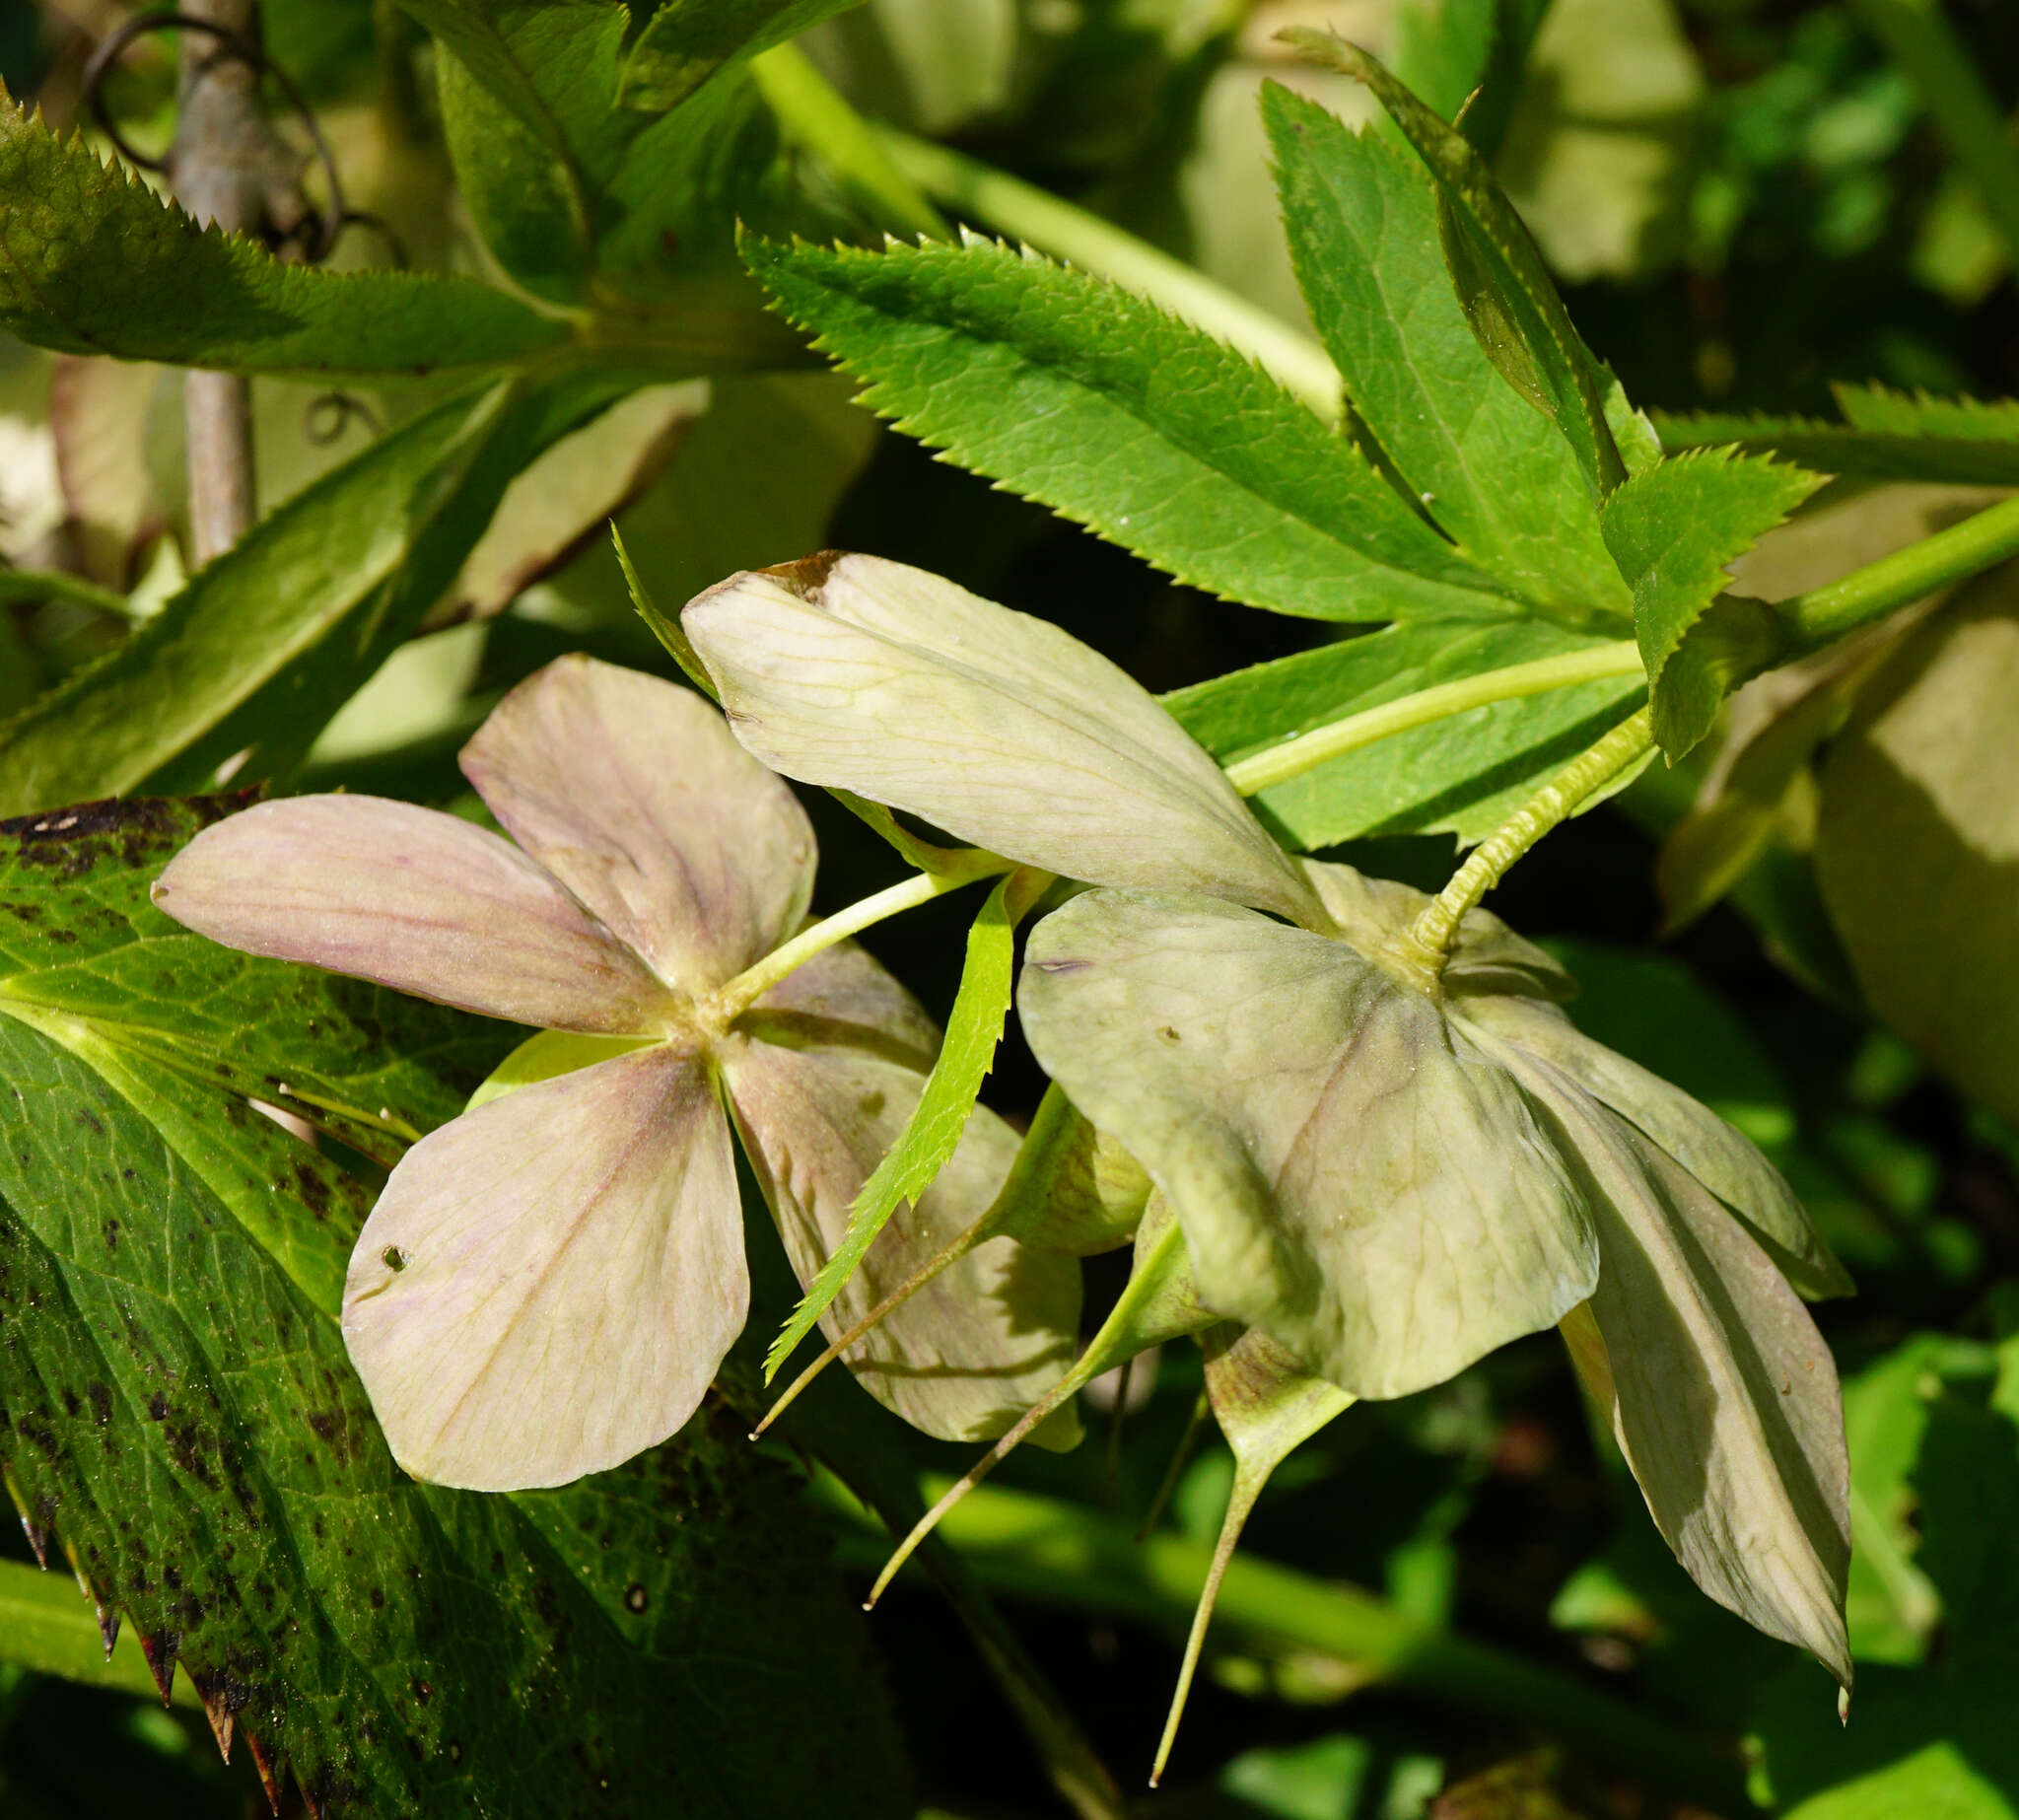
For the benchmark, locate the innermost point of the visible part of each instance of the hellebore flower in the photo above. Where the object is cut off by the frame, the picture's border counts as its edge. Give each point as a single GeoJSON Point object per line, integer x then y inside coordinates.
{"type": "Point", "coordinates": [1392, 1186]}
{"type": "Point", "coordinates": [1387, 1178]}
{"type": "Point", "coordinates": [548, 1283]}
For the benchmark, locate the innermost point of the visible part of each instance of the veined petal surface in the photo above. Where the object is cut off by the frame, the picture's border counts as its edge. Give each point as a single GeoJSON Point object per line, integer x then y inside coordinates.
{"type": "Point", "coordinates": [1726, 1161]}
{"type": "Point", "coordinates": [985, 1339]}
{"type": "Point", "coordinates": [845, 996]}
{"type": "Point", "coordinates": [1723, 1394]}
{"type": "Point", "coordinates": [635, 795]}
{"type": "Point", "coordinates": [549, 1283]}
{"type": "Point", "coordinates": [1353, 1176]}
{"type": "Point", "coordinates": [1001, 728]}
{"type": "Point", "coordinates": [414, 899]}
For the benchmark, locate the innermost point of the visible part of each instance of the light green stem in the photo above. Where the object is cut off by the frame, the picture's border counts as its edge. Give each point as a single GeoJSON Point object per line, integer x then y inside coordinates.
{"type": "Point", "coordinates": [1963, 550]}
{"type": "Point", "coordinates": [1961, 108]}
{"type": "Point", "coordinates": [1056, 227]}
{"type": "Point", "coordinates": [1060, 1554]}
{"type": "Point", "coordinates": [813, 112]}
{"type": "Point", "coordinates": [739, 993]}
{"type": "Point", "coordinates": [1306, 751]}
{"type": "Point", "coordinates": [1426, 944]}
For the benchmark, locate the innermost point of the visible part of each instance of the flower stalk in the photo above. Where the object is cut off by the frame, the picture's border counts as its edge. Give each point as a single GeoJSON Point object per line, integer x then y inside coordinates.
{"type": "Point", "coordinates": [1426, 946]}
{"type": "Point", "coordinates": [735, 997]}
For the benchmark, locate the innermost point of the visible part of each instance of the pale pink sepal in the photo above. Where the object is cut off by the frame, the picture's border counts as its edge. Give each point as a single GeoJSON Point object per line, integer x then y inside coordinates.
{"type": "Point", "coordinates": [548, 1284]}
{"type": "Point", "coordinates": [634, 794]}
{"type": "Point", "coordinates": [414, 899]}
{"type": "Point", "coordinates": [985, 1340]}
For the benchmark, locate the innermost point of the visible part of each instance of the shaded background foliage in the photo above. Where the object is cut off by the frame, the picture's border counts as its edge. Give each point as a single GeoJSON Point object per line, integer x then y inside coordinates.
{"type": "Point", "coordinates": [1747, 201]}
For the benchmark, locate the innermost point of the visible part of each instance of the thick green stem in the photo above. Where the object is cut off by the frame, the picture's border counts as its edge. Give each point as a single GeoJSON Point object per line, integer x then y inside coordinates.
{"type": "Point", "coordinates": [1427, 943]}
{"type": "Point", "coordinates": [1061, 1553]}
{"type": "Point", "coordinates": [1056, 227]}
{"type": "Point", "coordinates": [739, 993]}
{"type": "Point", "coordinates": [1306, 751]}
{"type": "Point", "coordinates": [1953, 555]}
{"type": "Point", "coordinates": [1961, 108]}
{"type": "Point", "coordinates": [814, 113]}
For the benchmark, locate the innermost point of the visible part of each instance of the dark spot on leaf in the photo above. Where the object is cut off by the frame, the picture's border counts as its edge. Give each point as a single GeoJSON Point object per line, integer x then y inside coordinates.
{"type": "Point", "coordinates": [315, 1191]}
{"type": "Point", "coordinates": [158, 1407]}
{"type": "Point", "coordinates": [1169, 1035]}
{"type": "Point", "coordinates": [393, 1258]}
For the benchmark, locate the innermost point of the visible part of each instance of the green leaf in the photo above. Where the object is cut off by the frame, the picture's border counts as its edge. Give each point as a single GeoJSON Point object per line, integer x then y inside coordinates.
{"type": "Point", "coordinates": [1919, 821]}
{"type": "Point", "coordinates": [179, 1408]}
{"type": "Point", "coordinates": [1462, 775]}
{"type": "Point", "coordinates": [966, 1052]}
{"type": "Point", "coordinates": [687, 40]}
{"type": "Point", "coordinates": [91, 262]}
{"type": "Point", "coordinates": [566, 185]}
{"type": "Point", "coordinates": [1935, 1740]}
{"type": "Point", "coordinates": [31, 585]}
{"type": "Point", "coordinates": [47, 1625]}
{"type": "Point", "coordinates": [1491, 470]}
{"type": "Point", "coordinates": [1096, 403]}
{"type": "Point", "coordinates": [1885, 435]}
{"type": "Point", "coordinates": [264, 644]}
{"type": "Point", "coordinates": [1505, 287]}
{"type": "Point", "coordinates": [1673, 530]}
{"type": "Point", "coordinates": [528, 205]}
{"type": "Point", "coordinates": [1441, 50]}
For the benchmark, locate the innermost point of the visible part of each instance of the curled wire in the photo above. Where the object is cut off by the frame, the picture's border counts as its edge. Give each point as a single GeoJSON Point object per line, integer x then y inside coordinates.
{"type": "Point", "coordinates": [240, 48]}
{"type": "Point", "coordinates": [328, 415]}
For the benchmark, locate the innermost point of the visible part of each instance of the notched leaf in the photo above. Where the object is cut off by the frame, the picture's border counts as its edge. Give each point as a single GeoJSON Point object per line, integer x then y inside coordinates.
{"type": "Point", "coordinates": [1673, 530]}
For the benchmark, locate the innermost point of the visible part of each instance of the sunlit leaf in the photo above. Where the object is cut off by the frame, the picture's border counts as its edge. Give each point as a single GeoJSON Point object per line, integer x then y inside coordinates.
{"type": "Point", "coordinates": [92, 262]}
{"type": "Point", "coordinates": [1673, 530]}
{"type": "Point", "coordinates": [1020, 369]}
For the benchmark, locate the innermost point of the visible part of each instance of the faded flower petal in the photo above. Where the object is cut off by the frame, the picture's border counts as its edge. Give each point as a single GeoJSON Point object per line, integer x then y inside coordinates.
{"type": "Point", "coordinates": [1723, 1394]}
{"type": "Point", "coordinates": [635, 795]}
{"type": "Point", "coordinates": [548, 1284]}
{"type": "Point", "coordinates": [414, 899]}
{"type": "Point", "coordinates": [1496, 981]}
{"type": "Point", "coordinates": [985, 1339]}
{"type": "Point", "coordinates": [1005, 730]}
{"type": "Point", "coordinates": [1724, 1159]}
{"type": "Point", "coordinates": [845, 996]}
{"type": "Point", "coordinates": [1353, 1176]}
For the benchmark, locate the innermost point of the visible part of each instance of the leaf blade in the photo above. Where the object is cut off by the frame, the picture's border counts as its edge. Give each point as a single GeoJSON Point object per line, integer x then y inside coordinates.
{"type": "Point", "coordinates": [968, 1052]}
{"type": "Point", "coordinates": [130, 275]}
{"type": "Point", "coordinates": [1507, 288]}
{"type": "Point", "coordinates": [252, 655]}
{"type": "Point", "coordinates": [1209, 470]}
{"type": "Point", "coordinates": [1490, 469]}
{"type": "Point", "coordinates": [1672, 529]}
